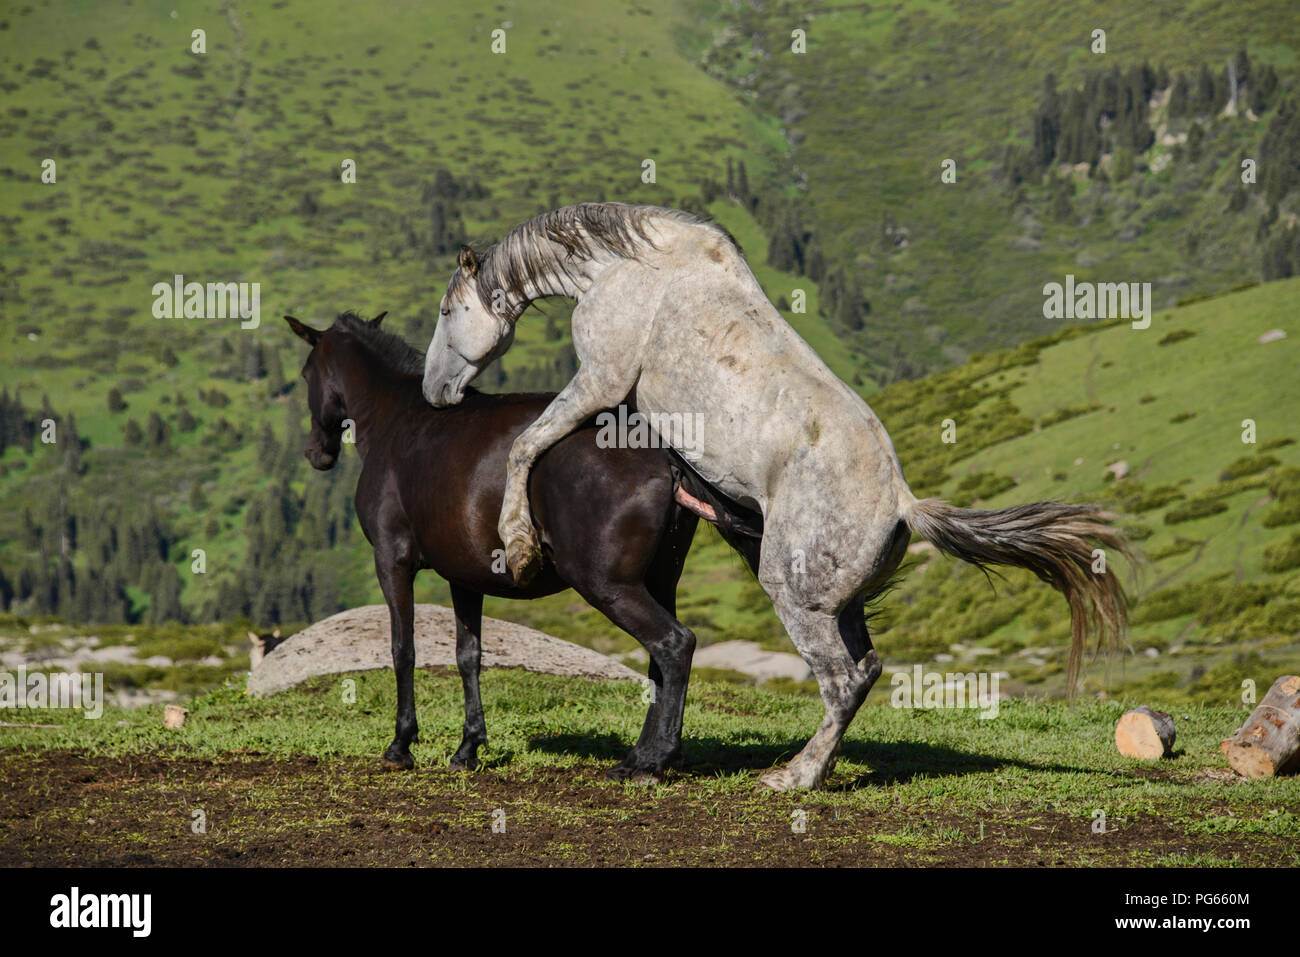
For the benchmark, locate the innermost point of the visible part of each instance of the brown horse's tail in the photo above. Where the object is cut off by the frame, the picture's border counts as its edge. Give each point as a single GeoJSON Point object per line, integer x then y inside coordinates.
{"type": "Point", "coordinates": [1055, 541]}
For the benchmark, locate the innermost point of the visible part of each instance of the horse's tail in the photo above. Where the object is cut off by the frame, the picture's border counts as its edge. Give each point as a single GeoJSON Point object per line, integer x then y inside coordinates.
{"type": "Point", "coordinates": [1055, 541]}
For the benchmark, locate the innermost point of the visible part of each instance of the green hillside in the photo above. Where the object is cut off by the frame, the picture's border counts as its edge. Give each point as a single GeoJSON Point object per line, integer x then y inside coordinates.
{"type": "Point", "coordinates": [885, 94]}
{"type": "Point", "coordinates": [1215, 517]}
{"type": "Point", "coordinates": [226, 167]}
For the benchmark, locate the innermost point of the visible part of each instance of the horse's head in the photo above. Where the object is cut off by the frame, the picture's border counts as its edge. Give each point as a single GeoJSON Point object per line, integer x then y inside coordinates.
{"type": "Point", "coordinates": [470, 334]}
{"type": "Point", "coordinates": [324, 392]}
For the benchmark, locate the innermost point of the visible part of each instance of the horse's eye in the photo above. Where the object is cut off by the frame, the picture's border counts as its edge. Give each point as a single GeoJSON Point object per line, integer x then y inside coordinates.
{"type": "Point", "coordinates": [444, 312]}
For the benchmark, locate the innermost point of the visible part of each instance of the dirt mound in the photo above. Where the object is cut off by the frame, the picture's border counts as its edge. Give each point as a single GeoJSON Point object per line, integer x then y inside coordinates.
{"type": "Point", "coordinates": [359, 640]}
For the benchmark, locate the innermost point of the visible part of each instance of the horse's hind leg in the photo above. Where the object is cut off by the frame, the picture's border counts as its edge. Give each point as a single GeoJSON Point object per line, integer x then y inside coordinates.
{"type": "Point", "coordinates": [661, 582]}
{"type": "Point", "coordinates": [839, 652]}
{"type": "Point", "coordinates": [468, 606]}
{"type": "Point", "coordinates": [671, 646]}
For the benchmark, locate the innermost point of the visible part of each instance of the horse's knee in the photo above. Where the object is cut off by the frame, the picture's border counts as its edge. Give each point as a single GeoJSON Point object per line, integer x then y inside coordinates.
{"type": "Point", "coordinates": [682, 644]}
{"type": "Point", "coordinates": [673, 653]}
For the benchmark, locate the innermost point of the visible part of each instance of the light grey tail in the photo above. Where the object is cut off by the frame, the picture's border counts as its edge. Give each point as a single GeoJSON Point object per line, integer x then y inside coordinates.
{"type": "Point", "coordinates": [1053, 540]}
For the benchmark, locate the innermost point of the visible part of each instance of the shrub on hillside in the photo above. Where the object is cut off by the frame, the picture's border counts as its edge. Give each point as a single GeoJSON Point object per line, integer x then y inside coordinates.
{"type": "Point", "coordinates": [1067, 412]}
{"type": "Point", "coordinates": [1285, 512]}
{"type": "Point", "coordinates": [1248, 465]}
{"type": "Point", "coordinates": [1177, 335]}
{"type": "Point", "coordinates": [1284, 555]}
{"type": "Point", "coordinates": [1158, 497]}
{"type": "Point", "coordinates": [1195, 508]}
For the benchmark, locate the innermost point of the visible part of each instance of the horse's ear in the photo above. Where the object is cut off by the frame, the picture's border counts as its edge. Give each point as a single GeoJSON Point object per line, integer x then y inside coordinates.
{"type": "Point", "coordinates": [303, 331]}
{"type": "Point", "coordinates": [379, 318]}
{"type": "Point", "coordinates": [468, 261]}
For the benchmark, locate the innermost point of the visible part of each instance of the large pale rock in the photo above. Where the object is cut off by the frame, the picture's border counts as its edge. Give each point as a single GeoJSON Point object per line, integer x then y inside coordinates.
{"type": "Point", "coordinates": [1118, 469]}
{"type": "Point", "coordinates": [360, 640]}
{"type": "Point", "coordinates": [749, 658]}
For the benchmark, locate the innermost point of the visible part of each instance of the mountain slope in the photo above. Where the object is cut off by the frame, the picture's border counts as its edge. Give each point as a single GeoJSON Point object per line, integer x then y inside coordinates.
{"type": "Point", "coordinates": [886, 95]}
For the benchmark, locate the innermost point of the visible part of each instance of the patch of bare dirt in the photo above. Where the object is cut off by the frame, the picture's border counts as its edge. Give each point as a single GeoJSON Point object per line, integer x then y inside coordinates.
{"type": "Point", "coordinates": [67, 808]}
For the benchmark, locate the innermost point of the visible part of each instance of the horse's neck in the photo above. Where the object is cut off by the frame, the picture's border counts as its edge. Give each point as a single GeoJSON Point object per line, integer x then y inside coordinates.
{"type": "Point", "coordinates": [542, 287]}
{"type": "Point", "coordinates": [371, 397]}
{"type": "Point", "coordinates": [572, 286]}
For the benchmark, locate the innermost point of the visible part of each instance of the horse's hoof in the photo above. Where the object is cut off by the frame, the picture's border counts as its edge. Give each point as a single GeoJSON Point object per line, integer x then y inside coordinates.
{"type": "Point", "coordinates": [524, 561]}
{"type": "Point", "coordinates": [457, 764]}
{"type": "Point", "coordinates": [631, 775]}
{"type": "Point", "coordinates": [397, 762]}
{"type": "Point", "coordinates": [782, 779]}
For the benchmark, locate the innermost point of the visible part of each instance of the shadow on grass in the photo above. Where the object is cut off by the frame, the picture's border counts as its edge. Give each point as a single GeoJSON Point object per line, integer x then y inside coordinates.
{"type": "Point", "coordinates": [892, 762]}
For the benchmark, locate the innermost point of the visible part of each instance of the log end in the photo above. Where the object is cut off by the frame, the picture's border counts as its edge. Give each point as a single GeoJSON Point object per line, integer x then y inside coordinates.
{"type": "Point", "coordinates": [1146, 734]}
{"type": "Point", "coordinates": [1246, 759]}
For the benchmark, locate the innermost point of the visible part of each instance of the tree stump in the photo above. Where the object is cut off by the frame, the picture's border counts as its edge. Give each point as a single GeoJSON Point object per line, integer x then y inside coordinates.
{"type": "Point", "coordinates": [1144, 733]}
{"type": "Point", "coordinates": [1269, 742]}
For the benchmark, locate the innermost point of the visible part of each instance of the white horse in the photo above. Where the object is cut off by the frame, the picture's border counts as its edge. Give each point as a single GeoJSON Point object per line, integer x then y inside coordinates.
{"type": "Point", "coordinates": [670, 317]}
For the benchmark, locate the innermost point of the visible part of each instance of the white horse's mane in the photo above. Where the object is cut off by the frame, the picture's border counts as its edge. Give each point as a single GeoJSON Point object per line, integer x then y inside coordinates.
{"type": "Point", "coordinates": [551, 243]}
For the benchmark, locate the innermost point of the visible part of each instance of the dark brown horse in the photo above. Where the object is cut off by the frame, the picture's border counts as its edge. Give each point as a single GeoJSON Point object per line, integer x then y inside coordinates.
{"type": "Point", "coordinates": [613, 522]}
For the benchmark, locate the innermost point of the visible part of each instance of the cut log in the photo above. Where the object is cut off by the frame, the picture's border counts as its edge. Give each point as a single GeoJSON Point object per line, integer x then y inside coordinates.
{"type": "Point", "coordinates": [1269, 742]}
{"type": "Point", "coordinates": [1144, 733]}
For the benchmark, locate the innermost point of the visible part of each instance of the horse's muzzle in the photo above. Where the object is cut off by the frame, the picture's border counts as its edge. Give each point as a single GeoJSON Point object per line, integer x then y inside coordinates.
{"type": "Point", "coordinates": [320, 460]}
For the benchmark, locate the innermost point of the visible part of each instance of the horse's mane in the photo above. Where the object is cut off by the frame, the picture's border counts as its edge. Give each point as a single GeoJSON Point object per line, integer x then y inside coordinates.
{"type": "Point", "coordinates": [392, 350]}
{"type": "Point", "coordinates": [581, 232]}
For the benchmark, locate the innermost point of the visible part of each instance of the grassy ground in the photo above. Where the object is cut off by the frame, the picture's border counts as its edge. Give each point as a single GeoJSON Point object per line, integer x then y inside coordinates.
{"type": "Point", "coordinates": [294, 779]}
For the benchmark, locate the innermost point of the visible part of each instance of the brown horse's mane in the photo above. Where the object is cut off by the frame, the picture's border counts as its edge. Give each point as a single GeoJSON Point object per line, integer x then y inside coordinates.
{"type": "Point", "coordinates": [550, 243]}
{"type": "Point", "coordinates": [392, 350]}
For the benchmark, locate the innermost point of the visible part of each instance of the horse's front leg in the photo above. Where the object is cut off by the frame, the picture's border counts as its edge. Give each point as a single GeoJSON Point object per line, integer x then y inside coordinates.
{"type": "Point", "coordinates": [587, 393]}
{"type": "Point", "coordinates": [396, 578]}
{"type": "Point", "coordinates": [468, 606]}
